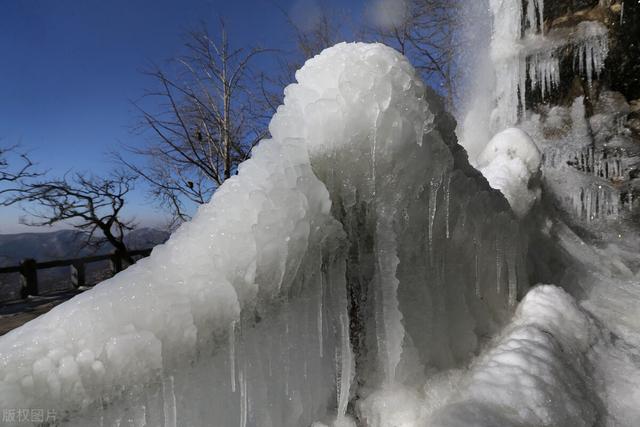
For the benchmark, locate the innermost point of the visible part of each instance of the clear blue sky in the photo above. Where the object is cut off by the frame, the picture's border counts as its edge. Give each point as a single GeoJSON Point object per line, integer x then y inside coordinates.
{"type": "Point", "coordinates": [71, 67]}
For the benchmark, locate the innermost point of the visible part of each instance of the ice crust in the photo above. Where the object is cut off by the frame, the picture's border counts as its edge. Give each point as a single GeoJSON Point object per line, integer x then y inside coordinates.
{"type": "Point", "coordinates": [345, 257]}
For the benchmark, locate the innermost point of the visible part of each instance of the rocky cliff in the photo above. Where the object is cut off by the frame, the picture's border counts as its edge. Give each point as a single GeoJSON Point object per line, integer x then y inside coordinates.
{"type": "Point", "coordinates": [590, 120]}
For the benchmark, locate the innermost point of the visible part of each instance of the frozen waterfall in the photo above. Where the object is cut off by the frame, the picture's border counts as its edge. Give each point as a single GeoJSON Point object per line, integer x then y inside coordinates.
{"type": "Point", "coordinates": [345, 265]}
{"type": "Point", "coordinates": [358, 271]}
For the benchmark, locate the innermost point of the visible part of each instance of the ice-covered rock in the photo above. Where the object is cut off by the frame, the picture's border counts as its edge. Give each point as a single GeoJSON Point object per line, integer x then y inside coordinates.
{"type": "Point", "coordinates": [511, 162]}
{"type": "Point", "coordinates": [539, 369]}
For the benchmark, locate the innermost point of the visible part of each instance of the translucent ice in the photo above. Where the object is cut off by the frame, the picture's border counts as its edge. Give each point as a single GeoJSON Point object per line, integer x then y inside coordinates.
{"type": "Point", "coordinates": [327, 269]}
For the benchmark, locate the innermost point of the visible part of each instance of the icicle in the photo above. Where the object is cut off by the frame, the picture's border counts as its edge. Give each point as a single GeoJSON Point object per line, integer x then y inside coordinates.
{"type": "Point", "coordinates": [541, 15]}
{"type": "Point", "coordinates": [498, 264]}
{"type": "Point", "coordinates": [447, 200]}
{"type": "Point", "coordinates": [169, 401]}
{"type": "Point", "coordinates": [535, 16]}
{"type": "Point", "coordinates": [243, 398]}
{"type": "Point", "coordinates": [346, 366]}
{"type": "Point", "coordinates": [320, 319]}
{"type": "Point", "coordinates": [101, 406]}
{"type": "Point", "coordinates": [392, 327]}
{"type": "Point", "coordinates": [287, 356]}
{"type": "Point", "coordinates": [532, 17]}
{"type": "Point", "coordinates": [433, 206]}
{"type": "Point", "coordinates": [477, 278]}
{"type": "Point", "coordinates": [512, 277]}
{"type": "Point", "coordinates": [507, 18]}
{"type": "Point", "coordinates": [620, 123]}
{"type": "Point", "coordinates": [232, 354]}
{"type": "Point", "coordinates": [522, 87]}
{"type": "Point", "coordinates": [544, 71]}
{"type": "Point", "coordinates": [140, 418]}
{"type": "Point", "coordinates": [508, 64]}
{"type": "Point", "coordinates": [592, 49]}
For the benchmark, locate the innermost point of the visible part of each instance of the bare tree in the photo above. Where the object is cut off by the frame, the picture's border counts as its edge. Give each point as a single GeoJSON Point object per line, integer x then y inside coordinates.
{"type": "Point", "coordinates": [92, 205]}
{"type": "Point", "coordinates": [428, 32]}
{"type": "Point", "coordinates": [325, 28]}
{"type": "Point", "coordinates": [10, 173]}
{"type": "Point", "coordinates": [324, 31]}
{"type": "Point", "coordinates": [209, 120]}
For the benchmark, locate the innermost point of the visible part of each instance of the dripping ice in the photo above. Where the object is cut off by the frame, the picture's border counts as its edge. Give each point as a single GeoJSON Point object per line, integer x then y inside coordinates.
{"type": "Point", "coordinates": [295, 259]}
{"type": "Point", "coordinates": [537, 55]}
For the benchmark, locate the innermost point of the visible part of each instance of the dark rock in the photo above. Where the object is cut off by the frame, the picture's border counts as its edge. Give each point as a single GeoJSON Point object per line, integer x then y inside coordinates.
{"type": "Point", "coordinates": [623, 63]}
{"type": "Point", "coordinates": [559, 8]}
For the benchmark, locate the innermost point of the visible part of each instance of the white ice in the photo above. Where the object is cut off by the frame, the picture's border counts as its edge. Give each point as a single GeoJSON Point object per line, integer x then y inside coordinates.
{"type": "Point", "coordinates": [510, 162]}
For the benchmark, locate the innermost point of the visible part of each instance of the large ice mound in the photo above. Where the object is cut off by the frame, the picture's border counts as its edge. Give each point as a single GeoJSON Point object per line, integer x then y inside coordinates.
{"type": "Point", "coordinates": [356, 251]}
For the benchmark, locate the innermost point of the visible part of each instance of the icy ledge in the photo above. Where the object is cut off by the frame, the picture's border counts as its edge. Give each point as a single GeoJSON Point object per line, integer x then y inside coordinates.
{"type": "Point", "coordinates": [356, 252]}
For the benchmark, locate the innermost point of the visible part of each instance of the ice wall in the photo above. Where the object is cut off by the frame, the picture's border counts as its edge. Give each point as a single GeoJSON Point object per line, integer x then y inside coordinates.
{"type": "Point", "coordinates": [563, 360]}
{"type": "Point", "coordinates": [356, 252]}
{"type": "Point", "coordinates": [429, 277]}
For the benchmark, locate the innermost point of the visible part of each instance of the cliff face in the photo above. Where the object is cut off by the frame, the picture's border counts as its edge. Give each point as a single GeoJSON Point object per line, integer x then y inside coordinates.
{"type": "Point", "coordinates": [623, 65]}
{"type": "Point", "coordinates": [622, 20]}
{"type": "Point", "coordinates": [589, 125]}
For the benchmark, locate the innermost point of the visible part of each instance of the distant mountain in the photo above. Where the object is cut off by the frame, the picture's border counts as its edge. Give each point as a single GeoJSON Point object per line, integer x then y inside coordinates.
{"type": "Point", "coordinates": [62, 244]}
{"type": "Point", "coordinates": [66, 244]}
{"type": "Point", "coordinates": [142, 238]}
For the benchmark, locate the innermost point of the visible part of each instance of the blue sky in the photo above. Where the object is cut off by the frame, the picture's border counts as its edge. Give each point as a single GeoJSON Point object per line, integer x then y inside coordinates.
{"type": "Point", "coordinates": [71, 67]}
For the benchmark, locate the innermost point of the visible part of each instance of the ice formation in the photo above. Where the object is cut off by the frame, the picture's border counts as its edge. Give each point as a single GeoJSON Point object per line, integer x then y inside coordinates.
{"type": "Point", "coordinates": [511, 163]}
{"type": "Point", "coordinates": [563, 359]}
{"type": "Point", "coordinates": [525, 64]}
{"type": "Point", "coordinates": [541, 368]}
{"type": "Point", "coordinates": [335, 266]}
{"type": "Point", "coordinates": [358, 271]}
{"type": "Point", "coordinates": [526, 58]}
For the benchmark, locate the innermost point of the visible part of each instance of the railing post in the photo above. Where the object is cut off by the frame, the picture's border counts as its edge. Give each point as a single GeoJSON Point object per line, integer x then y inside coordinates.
{"type": "Point", "coordinates": [28, 277]}
{"type": "Point", "coordinates": [116, 263]}
{"type": "Point", "coordinates": [78, 274]}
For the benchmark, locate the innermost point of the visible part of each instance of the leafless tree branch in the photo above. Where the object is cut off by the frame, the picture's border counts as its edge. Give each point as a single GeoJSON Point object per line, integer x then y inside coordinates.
{"type": "Point", "coordinates": [92, 205]}
{"type": "Point", "coordinates": [205, 117]}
